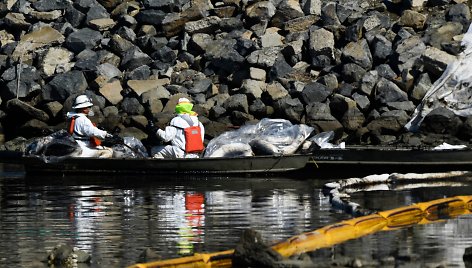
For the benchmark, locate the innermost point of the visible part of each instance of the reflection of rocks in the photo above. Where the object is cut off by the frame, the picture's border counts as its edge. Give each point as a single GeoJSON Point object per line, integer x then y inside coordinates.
{"type": "Point", "coordinates": [237, 60]}
{"type": "Point", "coordinates": [67, 256]}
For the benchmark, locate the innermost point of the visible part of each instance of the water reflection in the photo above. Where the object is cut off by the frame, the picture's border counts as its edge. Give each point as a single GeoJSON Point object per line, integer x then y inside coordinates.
{"type": "Point", "coordinates": [115, 217]}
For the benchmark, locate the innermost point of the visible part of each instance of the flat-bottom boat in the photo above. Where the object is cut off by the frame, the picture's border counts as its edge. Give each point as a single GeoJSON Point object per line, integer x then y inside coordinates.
{"type": "Point", "coordinates": [389, 159]}
{"type": "Point", "coordinates": [207, 166]}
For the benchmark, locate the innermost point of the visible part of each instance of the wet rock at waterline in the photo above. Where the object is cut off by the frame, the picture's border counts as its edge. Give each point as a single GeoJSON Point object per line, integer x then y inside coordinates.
{"type": "Point", "coordinates": [67, 256]}
{"type": "Point", "coordinates": [148, 255]}
{"type": "Point", "coordinates": [356, 69]}
{"type": "Point", "coordinates": [251, 251]}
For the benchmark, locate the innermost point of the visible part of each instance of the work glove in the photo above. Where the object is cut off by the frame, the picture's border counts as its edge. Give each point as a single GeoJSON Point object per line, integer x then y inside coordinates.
{"type": "Point", "coordinates": [118, 139]}
{"type": "Point", "coordinates": [151, 128]}
{"type": "Point", "coordinates": [111, 140]}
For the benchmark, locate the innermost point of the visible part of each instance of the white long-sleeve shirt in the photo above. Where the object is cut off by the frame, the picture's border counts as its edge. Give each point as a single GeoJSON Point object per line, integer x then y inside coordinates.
{"type": "Point", "coordinates": [176, 135]}
{"type": "Point", "coordinates": [84, 129]}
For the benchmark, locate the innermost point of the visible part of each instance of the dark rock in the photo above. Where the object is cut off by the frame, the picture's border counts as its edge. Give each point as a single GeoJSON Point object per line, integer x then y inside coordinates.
{"type": "Point", "coordinates": [358, 53]}
{"type": "Point", "coordinates": [440, 121]}
{"type": "Point", "coordinates": [408, 51]}
{"type": "Point", "coordinates": [237, 102]}
{"type": "Point", "coordinates": [251, 251]}
{"type": "Point", "coordinates": [230, 24]}
{"type": "Point", "coordinates": [387, 91]}
{"type": "Point", "coordinates": [352, 72]}
{"type": "Point", "coordinates": [134, 58]}
{"type": "Point", "coordinates": [26, 87]}
{"type": "Point", "coordinates": [109, 71]}
{"type": "Point", "coordinates": [64, 85]}
{"type": "Point", "coordinates": [151, 17]}
{"type": "Point", "coordinates": [16, 144]}
{"type": "Point", "coordinates": [50, 5]}
{"type": "Point", "coordinates": [258, 109]}
{"type": "Point", "coordinates": [321, 47]}
{"type": "Point", "coordinates": [467, 257]}
{"type": "Point", "coordinates": [386, 71]}
{"type": "Point", "coordinates": [120, 45]}
{"type": "Point", "coordinates": [406, 106]}
{"type": "Point", "coordinates": [286, 11]}
{"type": "Point", "coordinates": [217, 112]}
{"type": "Point", "coordinates": [239, 118]}
{"type": "Point", "coordinates": [34, 128]}
{"type": "Point", "coordinates": [368, 82]}
{"type": "Point", "coordinates": [444, 33]}
{"type": "Point", "coordinates": [459, 13]}
{"type": "Point", "coordinates": [338, 105]}
{"type": "Point", "coordinates": [389, 123]}
{"type": "Point", "coordinates": [352, 119]}
{"type": "Point", "coordinates": [454, 47]}
{"type": "Point", "coordinates": [465, 131]}
{"type": "Point", "coordinates": [381, 48]}
{"type": "Point", "coordinates": [166, 5]}
{"type": "Point", "coordinates": [140, 73]}
{"type": "Point", "coordinates": [87, 60]}
{"type": "Point", "coordinates": [82, 39]}
{"type": "Point", "coordinates": [315, 92]}
{"type": "Point", "coordinates": [289, 108]}
{"type": "Point", "coordinates": [280, 69]}
{"type": "Point", "coordinates": [438, 2]}
{"type": "Point", "coordinates": [127, 33]}
{"type": "Point", "coordinates": [362, 101]}
{"type": "Point", "coordinates": [164, 54]}
{"type": "Point", "coordinates": [96, 12]}
{"type": "Point", "coordinates": [201, 86]}
{"type": "Point", "coordinates": [132, 106]}
{"type": "Point", "coordinates": [67, 255]}
{"type": "Point", "coordinates": [260, 11]}
{"type": "Point", "coordinates": [74, 16]}
{"type": "Point", "coordinates": [330, 81]}
{"type": "Point", "coordinates": [346, 89]}
{"type": "Point", "coordinates": [329, 15]}
{"type": "Point", "coordinates": [318, 115]}
{"type": "Point", "coordinates": [148, 255]}
{"type": "Point", "coordinates": [353, 33]}
{"type": "Point", "coordinates": [22, 109]}
{"type": "Point", "coordinates": [223, 55]}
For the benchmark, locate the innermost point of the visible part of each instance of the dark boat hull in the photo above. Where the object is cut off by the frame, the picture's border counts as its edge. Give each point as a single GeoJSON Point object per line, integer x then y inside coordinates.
{"type": "Point", "coordinates": [391, 159]}
{"type": "Point", "coordinates": [240, 165]}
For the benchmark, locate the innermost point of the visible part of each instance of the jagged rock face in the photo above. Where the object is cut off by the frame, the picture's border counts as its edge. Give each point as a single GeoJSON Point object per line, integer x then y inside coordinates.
{"type": "Point", "coordinates": [358, 68]}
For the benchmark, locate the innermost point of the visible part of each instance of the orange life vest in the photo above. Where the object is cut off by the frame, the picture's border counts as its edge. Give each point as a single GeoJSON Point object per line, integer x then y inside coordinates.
{"type": "Point", "coordinates": [94, 141]}
{"type": "Point", "coordinates": [193, 138]}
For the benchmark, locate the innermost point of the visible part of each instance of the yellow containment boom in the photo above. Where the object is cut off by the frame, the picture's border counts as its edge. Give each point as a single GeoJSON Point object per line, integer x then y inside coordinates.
{"type": "Point", "coordinates": [421, 213]}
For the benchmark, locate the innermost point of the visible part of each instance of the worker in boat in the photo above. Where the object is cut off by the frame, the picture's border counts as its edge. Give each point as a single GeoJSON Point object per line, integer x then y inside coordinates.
{"type": "Point", "coordinates": [185, 132]}
{"type": "Point", "coordinates": [85, 133]}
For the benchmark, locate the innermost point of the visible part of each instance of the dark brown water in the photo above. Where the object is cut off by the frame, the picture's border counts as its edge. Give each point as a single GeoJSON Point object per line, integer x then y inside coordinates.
{"type": "Point", "coordinates": [115, 217]}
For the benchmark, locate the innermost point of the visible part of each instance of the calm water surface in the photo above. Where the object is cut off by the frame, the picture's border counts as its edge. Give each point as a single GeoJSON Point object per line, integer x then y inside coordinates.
{"type": "Point", "coordinates": [115, 218]}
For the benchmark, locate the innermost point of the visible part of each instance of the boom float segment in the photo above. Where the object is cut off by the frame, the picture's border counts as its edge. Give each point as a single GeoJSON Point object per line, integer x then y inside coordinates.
{"type": "Point", "coordinates": [421, 213]}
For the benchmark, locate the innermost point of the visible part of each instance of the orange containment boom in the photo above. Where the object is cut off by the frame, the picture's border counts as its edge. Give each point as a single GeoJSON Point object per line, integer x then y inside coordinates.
{"type": "Point", "coordinates": [421, 213]}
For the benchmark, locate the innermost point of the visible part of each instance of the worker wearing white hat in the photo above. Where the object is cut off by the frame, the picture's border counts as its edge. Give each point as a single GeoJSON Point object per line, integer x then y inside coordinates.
{"type": "Point", "coordinates": [85, 132]}
{"type": "Point", "coordinates": [182, 143]}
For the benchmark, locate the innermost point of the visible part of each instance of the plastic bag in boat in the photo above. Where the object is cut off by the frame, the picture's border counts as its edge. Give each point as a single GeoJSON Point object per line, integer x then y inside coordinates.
{"type": "Point", "coordinates": [131, 148]}
{"type": "Point", "coordinates": [267, 137]}
{"type": "Point", "coordinates": [54, 147]}
{"type": "Point", "coordinates": [56, 144]}
{"type": "Point", "coordinates": [323, 140]}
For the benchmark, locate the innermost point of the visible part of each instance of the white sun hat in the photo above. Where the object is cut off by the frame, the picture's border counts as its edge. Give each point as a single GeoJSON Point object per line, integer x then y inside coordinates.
{"type": "Point", "coordinates": [82, 101]}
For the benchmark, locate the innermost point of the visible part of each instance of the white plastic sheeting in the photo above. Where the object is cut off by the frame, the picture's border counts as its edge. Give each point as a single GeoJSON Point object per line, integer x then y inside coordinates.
{"type": "Point", "coordinates": [267, 137]}
{"type": "Point", "coordinates": [453, 90]}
